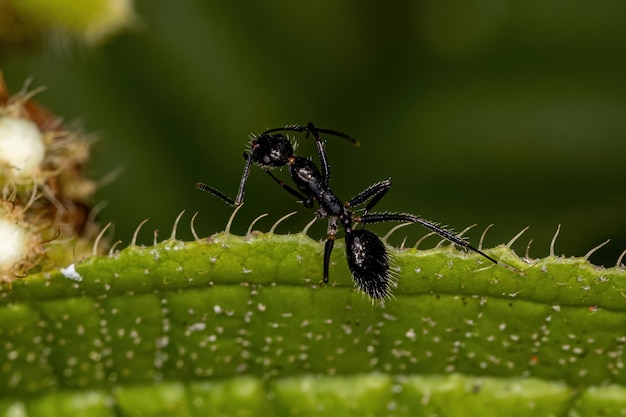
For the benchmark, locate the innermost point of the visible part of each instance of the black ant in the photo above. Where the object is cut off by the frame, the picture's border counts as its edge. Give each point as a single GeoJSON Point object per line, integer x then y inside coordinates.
{"type": "Point", "coordinates": [366, 253]}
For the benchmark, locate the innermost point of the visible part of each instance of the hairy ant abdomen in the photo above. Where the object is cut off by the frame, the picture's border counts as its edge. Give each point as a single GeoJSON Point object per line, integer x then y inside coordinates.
{"type": "Point", "coordinates": [369, 262]}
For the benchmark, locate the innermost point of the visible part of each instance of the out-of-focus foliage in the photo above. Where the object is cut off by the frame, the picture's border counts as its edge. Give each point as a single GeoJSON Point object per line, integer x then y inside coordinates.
{"type": "Point", "coordinates": [30, 23]}
{"type": "Point", "coordinates": [511, 113]}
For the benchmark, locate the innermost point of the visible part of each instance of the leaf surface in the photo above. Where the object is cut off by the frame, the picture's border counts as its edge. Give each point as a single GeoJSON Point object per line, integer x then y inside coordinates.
{"type": "Point", "coordinates": [241, 326]}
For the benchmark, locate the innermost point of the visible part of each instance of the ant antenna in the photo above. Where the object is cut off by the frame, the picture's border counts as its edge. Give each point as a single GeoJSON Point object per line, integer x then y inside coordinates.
{"type": "Point", "coordinates": [312, 129]}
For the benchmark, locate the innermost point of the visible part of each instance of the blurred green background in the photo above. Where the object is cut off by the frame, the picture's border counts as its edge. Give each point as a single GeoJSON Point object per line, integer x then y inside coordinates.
{"type": "Point", "coordinates": [506, 112]}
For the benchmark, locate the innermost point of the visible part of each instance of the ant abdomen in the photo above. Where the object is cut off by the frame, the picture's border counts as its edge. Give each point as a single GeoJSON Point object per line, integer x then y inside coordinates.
{"type": "Point", "coordinates": [369, 262]}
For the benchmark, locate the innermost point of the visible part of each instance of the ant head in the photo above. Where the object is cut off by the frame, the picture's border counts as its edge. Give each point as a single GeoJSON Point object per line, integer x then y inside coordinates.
{"type": "Point", "coordinates": [271, 150]}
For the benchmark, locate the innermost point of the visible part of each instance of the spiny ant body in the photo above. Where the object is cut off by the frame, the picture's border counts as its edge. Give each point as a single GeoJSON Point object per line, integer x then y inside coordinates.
{"type": "Point", "coordinates": [366, 254]}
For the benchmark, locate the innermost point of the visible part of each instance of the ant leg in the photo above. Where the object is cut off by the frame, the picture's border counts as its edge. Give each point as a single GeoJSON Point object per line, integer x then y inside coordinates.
{"type": "Point", "coordinates": [374, 192]}
{"type": "Point", "coordinates": [410, 218]}
{"type": "Point", "coordinates": [203, 187]}
{"type": "Point", "coordinates": [242, 185]}
{"type": "Point", "coordinates": [328, 249]}
{"type": "Point", "coordinates": [244, 176]}
{"type": "Point", "coordinates": [321, 152]}
{"type": "Point", "coordinates": [306, 201]}
{"type": "Point", "coordinates": [330, 242]}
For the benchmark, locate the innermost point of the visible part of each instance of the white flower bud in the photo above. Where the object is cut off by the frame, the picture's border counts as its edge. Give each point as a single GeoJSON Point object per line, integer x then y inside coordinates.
{"type": "Point", "coordinates": [12, 243]}
{"type": "Point", "coordinates": [22, 147]}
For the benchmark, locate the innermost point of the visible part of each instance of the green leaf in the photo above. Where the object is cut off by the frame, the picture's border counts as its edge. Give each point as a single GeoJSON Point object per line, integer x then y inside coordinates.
{"type": "Point", "coordinates": [240, 326]}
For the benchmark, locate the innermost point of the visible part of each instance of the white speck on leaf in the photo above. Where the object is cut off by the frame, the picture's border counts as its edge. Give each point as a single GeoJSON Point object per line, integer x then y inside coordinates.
{"type": "Point", "coordinates": [70, 273]}
{"type": "Point", "coordinates": [410, 334]}
{"type": "Point", "coordinates": [197, 327]}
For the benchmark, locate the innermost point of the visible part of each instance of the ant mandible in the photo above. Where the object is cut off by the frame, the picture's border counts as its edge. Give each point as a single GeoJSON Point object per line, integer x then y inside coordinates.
{"type": "Point", "coordinates": [367, 256]}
